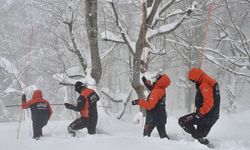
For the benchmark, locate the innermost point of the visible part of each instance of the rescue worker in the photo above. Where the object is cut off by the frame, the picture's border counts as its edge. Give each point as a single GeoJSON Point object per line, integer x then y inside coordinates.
{"type": "Point", "coordinates": [40, 112]}
{"type": "Point", "coordinates": [156, 115]}
{"type": "Point", "coordinates": [207, 103]}
{"type": "Point", "coordinates": [87, 106]}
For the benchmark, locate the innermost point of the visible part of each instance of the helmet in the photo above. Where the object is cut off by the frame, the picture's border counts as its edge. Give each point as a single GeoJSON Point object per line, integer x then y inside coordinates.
{"type": "Point", "coordinates": [79, 86]}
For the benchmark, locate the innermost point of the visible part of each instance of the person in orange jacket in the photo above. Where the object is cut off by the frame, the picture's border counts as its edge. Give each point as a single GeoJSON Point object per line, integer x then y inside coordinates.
{"type": "Point", "coordinates": [40, 112]}
{"type": "Point", "coordinates": [87, 106]}
{"type": "Point", "coordinates": [156, 115]}
{"type": "Point", "coordinates": [207, 102]}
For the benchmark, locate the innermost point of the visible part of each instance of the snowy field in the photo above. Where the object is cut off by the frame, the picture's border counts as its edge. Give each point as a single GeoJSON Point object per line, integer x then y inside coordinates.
{"type": "Point", "coordinates": [231, 132]}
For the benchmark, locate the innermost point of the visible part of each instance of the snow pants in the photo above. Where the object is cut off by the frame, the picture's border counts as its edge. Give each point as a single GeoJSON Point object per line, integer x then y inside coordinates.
{"type": "Point", "coordinates": [37, 127]}
{"type": "Point", "coordinates": [151, 123]}
{"type": "Point", "coordinates": [81, 123]}
{"type": "Point", "coordinates": [187, 122]}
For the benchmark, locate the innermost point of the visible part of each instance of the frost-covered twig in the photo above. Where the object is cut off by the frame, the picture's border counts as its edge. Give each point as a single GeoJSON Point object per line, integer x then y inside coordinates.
{"type": "Point", "coordinates": [167, 28]}
{"type": "Point", "coordinates": [226, 68]}
{"type": "Point", "coordinates": [242, 36]}
{"type": "Point", "coordinates": [212, 60]}
{"type": "Point", "coordinates": [106, 53]}
{"type": "Point", "coordinates": [121, 113]}
{"type": "Point", "coordinates": [161, 11]}
{"type": "Point", "coordinates": [215, 51]}
{"type": "Point", "coordinates": [111, 98]}
{"type": "Point", "coordinates": [109, 36]}
{"type": "Point", "coordinates": [123, 32]}
{"type": "Point", "coordinates": [124, 102]}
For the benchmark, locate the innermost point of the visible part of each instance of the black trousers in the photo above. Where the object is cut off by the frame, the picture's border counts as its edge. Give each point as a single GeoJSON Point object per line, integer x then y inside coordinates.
{"type": "Point", "coordinates": [82, 122]}
{"type": "Point", "coordinates": [150, 124]}
{"type": "Point", "coordinates": [37, 127]}
{"type": "Point", "coordinates": [204, 125]}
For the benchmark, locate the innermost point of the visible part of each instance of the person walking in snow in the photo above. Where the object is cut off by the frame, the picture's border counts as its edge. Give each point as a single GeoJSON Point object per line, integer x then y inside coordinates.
{"type": "Point", "coordinates": [156, 115]}
{"type": "Point", "coordinates": [207, 103]}
{"type": "Point", "coordinates": [87, 106]}
{"type": "Point", "coordinates": [40, 112]}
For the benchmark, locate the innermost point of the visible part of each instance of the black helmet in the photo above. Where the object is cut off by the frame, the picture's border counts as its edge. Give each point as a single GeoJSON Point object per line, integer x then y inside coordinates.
{"type": "Point", "coordinates": [79, 86]}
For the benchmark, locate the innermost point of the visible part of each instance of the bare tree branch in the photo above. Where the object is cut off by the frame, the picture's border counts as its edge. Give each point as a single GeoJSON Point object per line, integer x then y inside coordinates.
{"type": "Point", "coordinates": [160, 12]}
{"type": "Point", "coordinates": [211, 60]}
{"type": "Point", "coordinates": [242, 36]}
{"type": "Point", "coordinates": [165, 29]}
{"type": "Point", "coordinates": [122, 30]}
{"type": "Point", "coordinates": [111, 98]}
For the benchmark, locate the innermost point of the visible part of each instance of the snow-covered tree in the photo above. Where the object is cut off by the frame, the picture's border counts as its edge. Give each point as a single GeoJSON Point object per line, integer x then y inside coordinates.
{"type": "Point", "coordinates": [150, 27]}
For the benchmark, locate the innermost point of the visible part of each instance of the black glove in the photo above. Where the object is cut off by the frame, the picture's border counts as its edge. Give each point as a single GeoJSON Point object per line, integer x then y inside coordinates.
{"type": "Point", "coordinates": [143, 79]}
{"type": "Point", "coordinates": [68, 106]}
{"type": "Point", "coordinates": [24, 98]}
{"type": "Point", "coordinates": [189, 11]}
{"type": "Point", "coordinates": [198, 118]}
{"type": "Point", "coordinates": [135, 102]}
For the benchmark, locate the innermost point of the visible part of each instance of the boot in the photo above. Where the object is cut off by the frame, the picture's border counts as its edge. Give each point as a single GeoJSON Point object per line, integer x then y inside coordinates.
{"type": "Point", "coordinates": [203, 141]}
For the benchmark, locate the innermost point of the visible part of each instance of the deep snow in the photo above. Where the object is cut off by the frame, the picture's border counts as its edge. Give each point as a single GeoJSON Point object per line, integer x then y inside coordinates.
{"type": "Point", "coordinates": [231, 132]}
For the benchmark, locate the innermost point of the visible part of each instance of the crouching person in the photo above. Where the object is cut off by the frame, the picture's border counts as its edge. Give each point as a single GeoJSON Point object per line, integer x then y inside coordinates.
{"type": "Point", "coordinates": [87, 106]}
{"type": "Point", "coordinates": [207, 103]}
{"type": "Point", "coordinates": [40, 112]}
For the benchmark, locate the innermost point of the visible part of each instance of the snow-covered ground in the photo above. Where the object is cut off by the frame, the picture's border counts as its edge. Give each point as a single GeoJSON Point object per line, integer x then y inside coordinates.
{"type": "Point", "coordinates": [231, 132]}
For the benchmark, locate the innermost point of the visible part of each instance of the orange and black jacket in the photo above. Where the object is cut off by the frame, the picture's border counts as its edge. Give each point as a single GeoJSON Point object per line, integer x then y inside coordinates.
{"type": "Point", "coordinates": [155, 103]}
{"type": "Point", "coordinates": [157, 93]}
{"type": "Point", "coordinates": [207, 100]}
{"type": "Point", "coordinates": [40, 108]}
{"type": "Point", "coordinates": [86, 103]}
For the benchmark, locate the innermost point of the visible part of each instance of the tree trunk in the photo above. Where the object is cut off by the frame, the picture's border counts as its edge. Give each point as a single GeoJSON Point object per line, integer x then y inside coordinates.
{"type": "Point", "coordinates": [150, 3]}
{"type": "Point", "coordinates": [137, 69]}
{"type": "Point", "coordinates": [92, 30]}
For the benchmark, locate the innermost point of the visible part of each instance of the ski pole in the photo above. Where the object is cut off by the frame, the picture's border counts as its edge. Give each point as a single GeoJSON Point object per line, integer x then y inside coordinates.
{"type": "Point", "coordinates": [53, 105]}
{"type": "Point", "coordinates": [13, 105]}
{"type": "Point", "coordinates": [26, 77]}
{"type": "Point", "coordinates": [19, 124]}
{"type": "Point", "coordinates": [21, 105]}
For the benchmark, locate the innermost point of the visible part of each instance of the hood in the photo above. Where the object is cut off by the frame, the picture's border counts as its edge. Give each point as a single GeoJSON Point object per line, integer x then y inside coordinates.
{"type": "Point", "coordinates": [163, 82]}
{"type": "Point", "coordinates": [37, 94]}
{"type": "Point", "coordinates": [195, 74]}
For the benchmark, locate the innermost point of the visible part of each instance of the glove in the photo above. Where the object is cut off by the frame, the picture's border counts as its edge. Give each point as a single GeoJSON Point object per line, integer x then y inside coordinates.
{"type": "Point", "coordinates": [68, 106]}
{"type": "Point", "coordinates": [24, 98]}
{"type": "Point", "coordinates": [135, 102]}
{"type": "Point", "coordinates": [198, 118]}
{"type": "Point", "coordinates": [189, 11]}
{"type": "Point", "coordinates": [143, 79]}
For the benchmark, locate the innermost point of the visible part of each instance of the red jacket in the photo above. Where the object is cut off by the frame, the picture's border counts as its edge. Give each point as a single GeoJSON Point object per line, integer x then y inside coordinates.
{"type": "Point", "coordinates": [206, 87]}
{"type": "Point", "coordinates": [37, 98]}
{"type": "Point", "coordinates": [156, 94]}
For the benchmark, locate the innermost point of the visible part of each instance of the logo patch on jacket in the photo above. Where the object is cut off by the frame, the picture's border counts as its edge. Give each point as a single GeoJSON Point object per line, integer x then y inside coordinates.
{"type": "Point", "coordinates": [93, 97]}
{"type": "Point", "coordinates": [41, 106]}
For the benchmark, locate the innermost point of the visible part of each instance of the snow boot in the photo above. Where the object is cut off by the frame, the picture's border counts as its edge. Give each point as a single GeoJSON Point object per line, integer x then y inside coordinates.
{"type": "Point", "coordinates": [36, 138]}
{"type": "Point", "coordinates": [203, 141]}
